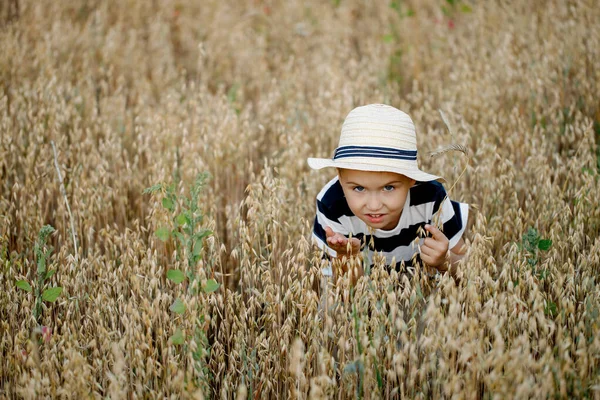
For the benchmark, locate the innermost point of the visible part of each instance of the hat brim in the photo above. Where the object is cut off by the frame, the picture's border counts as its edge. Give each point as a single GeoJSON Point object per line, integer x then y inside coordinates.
{"type": "Point", "coordinates": [378, 165]}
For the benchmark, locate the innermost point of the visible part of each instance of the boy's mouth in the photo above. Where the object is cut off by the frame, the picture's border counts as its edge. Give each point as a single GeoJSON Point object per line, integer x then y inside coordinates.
{"type": "Point", "coordinates": [375, 218]}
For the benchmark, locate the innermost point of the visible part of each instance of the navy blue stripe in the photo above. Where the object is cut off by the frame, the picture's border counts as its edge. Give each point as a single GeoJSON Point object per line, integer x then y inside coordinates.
{"type": "Point", "coordinates": [333, 204]}
{"type": "Point", "coordinates": [319, 231]}
{"type": "Point", "coordinates": [333, 194]}
{"type": "Point", "coordinates": [453, 225]}
{"type": "Point", "coordinates": [335, 213]}
{"type": "Point", "coordinates": [378, 149]}
{"type": "Point", "coordinates": [389, 244]}
{"type": "Point", "coordinates": [374, 152]}
{"type": "Point", "coordinates": [425, 192]}
{"type": "Point", "coordinates": [374, 156]}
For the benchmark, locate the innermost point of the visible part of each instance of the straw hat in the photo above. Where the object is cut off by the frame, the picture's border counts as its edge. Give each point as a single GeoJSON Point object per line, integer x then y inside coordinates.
{"type": "Point", "coordinates": [377, 137]}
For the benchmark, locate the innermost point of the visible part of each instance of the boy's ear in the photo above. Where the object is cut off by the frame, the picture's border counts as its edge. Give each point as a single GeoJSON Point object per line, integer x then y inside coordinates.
{"type": "Point", "coordinates": [412, 182]}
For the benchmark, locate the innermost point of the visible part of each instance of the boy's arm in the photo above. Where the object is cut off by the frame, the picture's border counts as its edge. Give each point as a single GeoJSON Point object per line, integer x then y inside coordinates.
{"type": "Point", "coordinates": [457, 253]}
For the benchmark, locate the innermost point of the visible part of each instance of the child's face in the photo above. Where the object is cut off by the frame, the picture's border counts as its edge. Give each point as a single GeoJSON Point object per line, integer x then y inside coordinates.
{"type": "Point", "coordinates": [377, 198]}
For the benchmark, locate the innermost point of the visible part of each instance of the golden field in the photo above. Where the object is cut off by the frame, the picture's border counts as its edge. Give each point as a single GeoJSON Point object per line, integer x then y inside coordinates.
{"type": "Point", "coordinates": [133, 93]}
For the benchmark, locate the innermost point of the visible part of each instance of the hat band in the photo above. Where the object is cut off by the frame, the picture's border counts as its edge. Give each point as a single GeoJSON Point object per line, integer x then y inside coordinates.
{"type": "Point", "coordinates": [374, 152]}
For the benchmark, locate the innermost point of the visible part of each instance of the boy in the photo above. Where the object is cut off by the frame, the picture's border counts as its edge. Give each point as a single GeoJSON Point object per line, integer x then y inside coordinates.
{"type": "Point", "coordinates": [381, 194]}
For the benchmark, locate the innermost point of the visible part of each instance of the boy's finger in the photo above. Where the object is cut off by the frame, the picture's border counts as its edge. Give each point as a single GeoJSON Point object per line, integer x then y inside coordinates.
{"type": "Point", "coordinates": [430, 255]}
{"type": "Point", "coordinates": [329, 232]}
{"type": "Point", "coordinates": [427, 259]}
{"type": "Point", "coordinates": [336, 239]}
{"type": "Point", "coordinates": [435, 232]}
{"type": "Point", "coordinates": [433, 244]}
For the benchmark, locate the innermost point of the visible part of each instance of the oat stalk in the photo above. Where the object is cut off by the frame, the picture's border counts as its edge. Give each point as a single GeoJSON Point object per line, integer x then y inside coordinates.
{"type": "Point", "coordinates": [443, 150]}
{"type": "Point", "coordinates": [64, 193]}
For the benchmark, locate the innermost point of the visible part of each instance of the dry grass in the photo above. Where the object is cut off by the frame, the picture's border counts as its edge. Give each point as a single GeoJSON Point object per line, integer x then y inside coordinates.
{"type": "Point", "coordinates": [132, 91]}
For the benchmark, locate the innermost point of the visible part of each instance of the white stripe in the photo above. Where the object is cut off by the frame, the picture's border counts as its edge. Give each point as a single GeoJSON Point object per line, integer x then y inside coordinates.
{"type": "Point", "coordinates": [400, 253]}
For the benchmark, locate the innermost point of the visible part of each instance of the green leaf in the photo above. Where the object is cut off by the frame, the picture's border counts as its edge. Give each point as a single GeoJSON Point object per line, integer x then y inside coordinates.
{"type": "Point", "coordinates": [46, 231]}
{"type": "Point", "coordinates": [466, 8]}
{"type": "Point", "coordinates": [198, 219]}
{"type": "Point", "coordinates": [388, 38]}
{"type": "Point", "coordinates": [41, 263]}
{"type": "Point", "coordinates": [153, 189]}
{"type": "Point", "coordinates": [177, 337]}
{"type": "Point", "coordinates": [231, 96]}
{"type": "Point", "coordinates": [168, 203]}
{"type": "Point", "coordinates": [162, 233]}
{"type": "Point", "coordinates": [588, 171]}
{"type": "Point", "coordinates": [551, 309]}
{"type": "Point", "coordinates": [203, 233]}
{"type": "Point", "coordinates": [181, 219]}
{"type": "Point", "coordinates": [531, 239]}
{"type": "Point", "coordinates": [543, 274]}
{"type": "Point", "coordinates": [51, 294]}
{"type": "Point", "coordinates": [197, 247]}
{"type": "Point", "coordinates": [49, 273]}
{"type": "Point", "coordinates": [179, 236]}
{"type": "Point", "coordinates": [410, 13]}
{"type": "Point", "coordinates": [24, 285]}
{"type": "Point", "coordinates": [378, 374]}
{"type": "Point", "coordinates": [545, 244]}
{"type": "Point", "coordinates": [211, 286]}
{"type": "Point", "coordinates": [419, 292]}
{"type": "Point", "coordinates": [175, 275]}
{"type": "Point", "coordinates": [177, 307]}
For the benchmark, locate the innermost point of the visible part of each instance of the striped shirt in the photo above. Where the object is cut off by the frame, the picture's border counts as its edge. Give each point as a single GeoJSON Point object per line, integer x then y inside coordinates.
{"type": "Point", "coordinates": [399, 244]}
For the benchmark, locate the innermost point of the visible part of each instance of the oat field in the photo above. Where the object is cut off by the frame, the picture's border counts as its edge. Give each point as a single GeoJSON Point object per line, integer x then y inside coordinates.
{"type": "Point", "coordinates": [212, 288]}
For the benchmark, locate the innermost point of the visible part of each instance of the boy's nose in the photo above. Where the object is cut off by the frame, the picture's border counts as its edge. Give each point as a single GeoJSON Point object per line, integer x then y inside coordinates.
{"type": "Point", "coordinates": [373, 203]}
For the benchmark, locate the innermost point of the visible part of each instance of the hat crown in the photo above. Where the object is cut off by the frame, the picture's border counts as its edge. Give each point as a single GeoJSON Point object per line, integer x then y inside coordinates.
{"type": "Point", "coordinates": [378, 125]}
{"type": "Point", "coordinates": [378, 138]}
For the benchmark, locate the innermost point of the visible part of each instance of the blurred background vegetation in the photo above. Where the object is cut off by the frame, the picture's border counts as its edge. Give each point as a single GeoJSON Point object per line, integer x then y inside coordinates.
{"type": "Point", "coordinates": [134, 93]}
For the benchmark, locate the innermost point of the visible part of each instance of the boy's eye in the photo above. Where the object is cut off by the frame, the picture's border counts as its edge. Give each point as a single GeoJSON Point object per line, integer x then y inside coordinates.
{"type": "Point", "coordinates": [359, 189]}
{"type": "Point", "coordinates": [388, 188]}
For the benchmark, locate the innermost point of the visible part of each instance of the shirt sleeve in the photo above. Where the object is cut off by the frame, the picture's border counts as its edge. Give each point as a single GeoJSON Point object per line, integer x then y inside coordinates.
{"type": "Point", "coordinates": [451, 215]}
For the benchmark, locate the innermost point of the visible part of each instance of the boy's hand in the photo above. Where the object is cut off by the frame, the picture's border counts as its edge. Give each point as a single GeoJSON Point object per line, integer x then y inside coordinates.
{"type": "Point", "coordinates": [434, 250]}
{"type": "Point", "coordinates": [339, 243]}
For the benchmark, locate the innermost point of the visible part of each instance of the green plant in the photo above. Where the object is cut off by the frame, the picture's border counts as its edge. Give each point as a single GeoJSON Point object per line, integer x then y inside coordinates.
{"type": "Point", "coordinates": [533, 243]}
{"type": "Point", "coordinates": [597, 135]}
{"type": "Point", "coordinates": [454, 6]}
{"type": "Point", "coordinates": [357, 365]}
{"type": "Point", "coordinates": [186, 218]}
{"type": "Point", "coordinates": [186, 228]}
{"type": "Point", "coordinates": [42, 253]}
